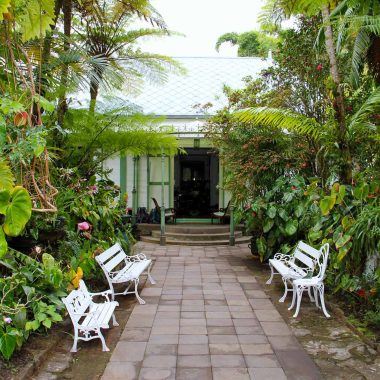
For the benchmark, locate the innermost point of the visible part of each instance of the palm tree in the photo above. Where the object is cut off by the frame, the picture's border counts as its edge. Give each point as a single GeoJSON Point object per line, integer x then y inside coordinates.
{"type": "Point", "coordinates": [104, 34]}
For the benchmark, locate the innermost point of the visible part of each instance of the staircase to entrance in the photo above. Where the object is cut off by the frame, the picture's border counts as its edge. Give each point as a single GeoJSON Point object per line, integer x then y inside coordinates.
{"type": "Point", "coordinates": [193, 234]}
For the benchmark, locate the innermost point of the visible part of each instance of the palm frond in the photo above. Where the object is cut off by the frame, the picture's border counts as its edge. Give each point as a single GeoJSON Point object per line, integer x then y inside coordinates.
{"type": "Point", "coordinates": [368, 108]}
{"type": "Point", "coordinates": [343, 29]}
{"type": "Point", "coordinates": [280, 118]}
{"type": "Point", "coordinates": [361, 46]}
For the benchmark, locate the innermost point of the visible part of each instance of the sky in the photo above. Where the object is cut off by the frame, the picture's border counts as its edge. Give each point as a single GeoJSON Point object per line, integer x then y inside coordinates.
{"type": "Point", "coordinates": [202, 22]}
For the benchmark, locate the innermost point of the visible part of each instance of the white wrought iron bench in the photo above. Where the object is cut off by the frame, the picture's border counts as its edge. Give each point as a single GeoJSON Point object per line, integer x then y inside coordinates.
{"type": "Point", "coordinates": [89, 317]}
{"type": "Point", "coordinates": [120, 268]}
{"type": "Point", "coordinates": [315, 283]}
{"type": "Point", "coordinates": [300, 264]}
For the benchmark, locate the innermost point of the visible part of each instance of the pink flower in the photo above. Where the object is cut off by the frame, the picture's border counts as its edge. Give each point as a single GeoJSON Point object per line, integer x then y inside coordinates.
{"type": "Point", "coordinates": [7, 320]}
{"type": "Point", "coordinates": [319, 67]}
{"type": "Point", "coordinates": [84, 226]}
{"type": "Point", "coordinates": [93, 189]}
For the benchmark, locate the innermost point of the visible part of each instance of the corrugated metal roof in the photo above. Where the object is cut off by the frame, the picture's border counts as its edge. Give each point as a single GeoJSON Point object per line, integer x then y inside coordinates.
{"type": "Point", "coordinates": [203, 83]}
{"type": "Point", "coordinates": [178, 96]}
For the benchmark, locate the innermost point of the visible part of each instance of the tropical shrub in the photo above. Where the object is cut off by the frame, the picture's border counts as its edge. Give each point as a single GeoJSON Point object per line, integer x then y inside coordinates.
{"type": "Point", "coordinates": [30, 294]}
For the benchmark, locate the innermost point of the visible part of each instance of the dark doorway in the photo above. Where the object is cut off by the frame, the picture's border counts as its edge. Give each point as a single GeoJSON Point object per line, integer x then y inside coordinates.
{"type": "Point", "coordinates": [196, 177]}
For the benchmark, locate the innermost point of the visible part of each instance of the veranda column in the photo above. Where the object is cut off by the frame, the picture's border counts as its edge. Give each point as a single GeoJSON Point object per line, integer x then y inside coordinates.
{"type": "Point", "coordinates": [162, 236]}
{"type": "Point", "coordinates": [134, 191]}
{"type": "Point", "coordinates": [232, 225]}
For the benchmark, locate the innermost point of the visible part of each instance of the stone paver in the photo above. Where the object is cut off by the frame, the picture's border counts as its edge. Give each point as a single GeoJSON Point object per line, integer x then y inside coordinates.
{"type": "Point", "coordinates": [207, 318]}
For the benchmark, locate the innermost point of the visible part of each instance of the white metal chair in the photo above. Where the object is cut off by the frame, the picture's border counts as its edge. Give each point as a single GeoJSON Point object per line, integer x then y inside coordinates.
{"type": "Point", "coordinates": [299, 264]}
{"type": "Point", "coordinates": [120, 268]}
{"type": "Point", "coordinates": [89, 317]}
{"type": "Point", "coordinates": [315, 283]}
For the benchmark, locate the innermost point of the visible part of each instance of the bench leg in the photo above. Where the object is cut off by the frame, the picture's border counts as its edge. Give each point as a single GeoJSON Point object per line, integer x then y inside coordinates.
{"type": "Point", "coordinates": [114, 321]}
{"type": "Point", "coordinates": [293, 299]}
{"type": "Point", "coordinates": [321, 289]}
{"type": "Point", "coordinates": [285, 281]}
{"type": "Point", "coordinates": [101, 337]}
{"type": "Point", "coordinates": [271, 275]}
{"type": "Point", "coordinates": [312, 299]}
{"type": "Point", "coordinates": [141, 301]}
{"type": "Point", "coordinates": [299, 292]}
{"type": "Point", "coordinates": [151, 280]}
{"type": "Point", "coordinates": [74, 347]}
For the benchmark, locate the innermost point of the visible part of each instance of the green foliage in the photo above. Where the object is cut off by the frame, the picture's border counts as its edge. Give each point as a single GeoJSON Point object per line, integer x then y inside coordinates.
{"type": "Point", "coordinates": [30, 292]}
{"type": "Point", "coordinates": [250, 44]}
{"type": "Point", "coordinates": [94, 139]}
{"type": "Point", "coordinates": [15, 207]}
{"type": "Point", "coordinates": [280, 118]}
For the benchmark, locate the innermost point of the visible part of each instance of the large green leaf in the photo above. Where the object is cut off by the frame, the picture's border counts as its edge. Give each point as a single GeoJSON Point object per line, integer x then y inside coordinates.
{"type": "Point", "coordinates": [271, 212]}
{"type": "Point", "coordinates": [7, 345]}
{"type": "Point", "coordinates": [3, 243]}
{"type": "Point", "coordinates": [5, 196]}
{"type": "Point", "coordinates": [18, 212]}
{"type": "Point", "coordinates": [4, 5]}
{"type": "Point", "coordinates": [327, 203]}
{"type": "Point", "coordinates": [268, 225]}
{"type": "Point", "coordinates": [6, 176]}
{"type": "Point", "coordinates": [19, 318]}
{"type": "Point", "coordinates": [291, 227]}
{"type": "Point", "coordinates": [261, 245]}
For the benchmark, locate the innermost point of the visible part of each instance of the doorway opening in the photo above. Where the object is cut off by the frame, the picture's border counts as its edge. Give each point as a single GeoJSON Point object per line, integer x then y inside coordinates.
{"type": "Point", "coordinates": [196, 176]}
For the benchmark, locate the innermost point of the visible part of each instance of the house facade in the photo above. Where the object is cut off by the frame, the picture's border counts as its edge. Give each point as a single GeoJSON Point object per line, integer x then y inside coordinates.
{"type": "Point", "coordinates": [189, 182]}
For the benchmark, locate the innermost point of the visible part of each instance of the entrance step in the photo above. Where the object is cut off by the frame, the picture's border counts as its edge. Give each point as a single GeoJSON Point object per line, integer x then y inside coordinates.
{"type": "Point", "coordinates": [196, 229]}
{"type": "Point", "coordinates": [197, 236]}
{"type": "Point", "coordinates": [239, 240]}
{"type": "Point", "coordinates": [193, 234]}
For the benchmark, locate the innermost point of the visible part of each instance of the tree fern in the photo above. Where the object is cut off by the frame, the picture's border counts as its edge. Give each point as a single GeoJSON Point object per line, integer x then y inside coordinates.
{"type": "Point", "coordinates": [280, 118]}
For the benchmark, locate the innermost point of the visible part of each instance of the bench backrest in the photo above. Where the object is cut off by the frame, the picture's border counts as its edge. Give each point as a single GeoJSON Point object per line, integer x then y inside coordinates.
{"type": "Point", "coordinates": [322, 261]}
{"type": "Point", "coordinates": [111, 258]}
{"type": "Point", "coordinates": [78, 301]}
{"type": "Point", "coordinates": [306, 254]}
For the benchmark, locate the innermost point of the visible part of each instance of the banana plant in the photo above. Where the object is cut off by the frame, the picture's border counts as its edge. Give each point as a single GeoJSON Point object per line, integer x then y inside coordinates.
{"type": "Point", "coordinates": [15, 207]}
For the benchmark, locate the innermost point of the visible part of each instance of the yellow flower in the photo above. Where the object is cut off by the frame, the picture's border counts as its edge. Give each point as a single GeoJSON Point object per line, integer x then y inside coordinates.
{"type": "Point", "coordinates": [77, 277]}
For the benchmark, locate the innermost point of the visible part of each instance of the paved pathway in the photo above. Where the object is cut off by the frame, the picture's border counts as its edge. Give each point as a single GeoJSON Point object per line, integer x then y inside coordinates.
{"type": "Point", "coordinates": [206, 318]}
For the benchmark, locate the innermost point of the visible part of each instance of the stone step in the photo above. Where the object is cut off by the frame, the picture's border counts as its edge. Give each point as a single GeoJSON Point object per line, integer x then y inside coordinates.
{"type": "Point", "coordinates": [197, 236]}
{"type": "Point", "coordinates": [239, 240]}
{"type": "Point", "coordinates": [200, 229]}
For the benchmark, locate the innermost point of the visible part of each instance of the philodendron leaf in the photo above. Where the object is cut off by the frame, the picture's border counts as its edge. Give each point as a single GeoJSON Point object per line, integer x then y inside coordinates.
{"type": "Point", "coordinates": [18, 212]}
{"type": "Point", "coordinates": [6, 176]}
{"type": "Point", "coordinates": [268, 225]}
{"type": "Point", "coordinates": [327, 204]}
{"type": "Point", "coordinates": [271, 212]}
{"type": "Point", "coordinates": [5, 196]}
{"type": "Point", "coordinates": [7, 345]}
{"type": "Point", "coordinates": [3, 243]}
{"type": "Point", "coordinates": [291, 227]}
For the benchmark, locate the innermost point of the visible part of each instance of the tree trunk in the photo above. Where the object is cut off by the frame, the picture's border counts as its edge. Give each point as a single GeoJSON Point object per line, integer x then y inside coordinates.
{"type": "Point", "coordinates": [67, 18]}
{"type": "Point", "coordinates": [346, 160]}
{"type": "Point", "coordinates": [47, 45]}
{"type": "Point", "coordinates": [94, 88]}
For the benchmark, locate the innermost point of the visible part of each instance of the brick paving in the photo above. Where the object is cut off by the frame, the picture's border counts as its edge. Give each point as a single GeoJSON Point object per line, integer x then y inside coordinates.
{"type": "Point", "coordinates": [207, 318]}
